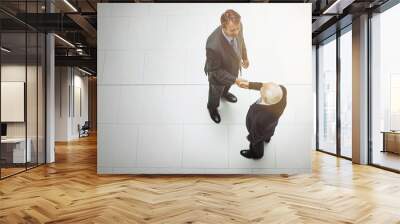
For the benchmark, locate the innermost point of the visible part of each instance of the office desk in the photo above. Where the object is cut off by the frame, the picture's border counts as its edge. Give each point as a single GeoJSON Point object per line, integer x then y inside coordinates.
{"type": "Point", "coordinates": [13, 150]}
{"type": "Point", "coordinates": [391, 141]}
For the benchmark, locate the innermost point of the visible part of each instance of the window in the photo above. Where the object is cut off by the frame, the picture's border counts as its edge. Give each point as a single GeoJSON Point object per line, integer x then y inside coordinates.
{"type": "Point", "coordinates": [327, 96]}
{"type": "Point", "coordinates": [346, 93]}
{"type": "Point", "coordinates": [385, 89]}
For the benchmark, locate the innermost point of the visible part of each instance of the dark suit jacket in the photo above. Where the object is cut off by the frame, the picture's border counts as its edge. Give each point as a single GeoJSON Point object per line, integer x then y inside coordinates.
{"type": "Point", "coordinates": [223, 63]}
{"type": "Point", "coordinates": [261, 120]}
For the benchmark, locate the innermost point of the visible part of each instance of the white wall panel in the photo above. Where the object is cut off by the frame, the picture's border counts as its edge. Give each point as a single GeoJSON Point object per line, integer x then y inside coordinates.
{"type": "Point", "coordinates": [131, 101]}
{"type": "Point", "coordinates": [105, 156]}
{"type": "Point", "coordinates": [108, 103]}
{"type": "Point", "coordinates": [100, 65]}
{"type": "Point", "coordinates": [112, 35]}
{"type": "Point", "coordinates": [124, 145]}
{"type": "Point", "coordinates": [125, 10]}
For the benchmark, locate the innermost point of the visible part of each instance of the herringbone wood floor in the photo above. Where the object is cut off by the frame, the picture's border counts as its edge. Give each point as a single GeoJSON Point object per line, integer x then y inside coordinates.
{"type": "Point", "coordinates": [70, 191]}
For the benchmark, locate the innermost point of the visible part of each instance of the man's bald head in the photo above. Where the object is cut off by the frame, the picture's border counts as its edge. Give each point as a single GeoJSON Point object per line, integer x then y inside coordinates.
{"type": "Point", "coordinates": [271, 93]}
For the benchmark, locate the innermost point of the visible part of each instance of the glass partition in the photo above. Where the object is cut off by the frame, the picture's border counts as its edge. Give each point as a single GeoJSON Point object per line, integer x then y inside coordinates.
{"type": "Point", "coordinates": [22, 101]}
{"type": "Point", "coordinates": [13, 94]}
{"type": "Point", "coordinates": [41, 97]}
{"type": "Point", "coordinates": [31, 100]}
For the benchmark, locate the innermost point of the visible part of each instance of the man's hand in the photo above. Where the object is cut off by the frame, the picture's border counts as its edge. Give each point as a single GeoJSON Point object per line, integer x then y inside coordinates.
{"type": "Point", "coordinates": [245, 64]}
{"type": "Point", "coordinates": [242, 83]}
{"type": "Point", "coordinates": [239, 80]}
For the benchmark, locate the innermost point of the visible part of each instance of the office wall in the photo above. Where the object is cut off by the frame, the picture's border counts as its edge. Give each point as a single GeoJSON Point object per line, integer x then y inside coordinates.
{"type": "Point", "coordinates": [10, 73]}
{"type": "Point", "coordinates": [13, 99]}
{"type": "Point", "coordinates": [70, 83]}
{"type": "Point", "coordinates": [152, 90]}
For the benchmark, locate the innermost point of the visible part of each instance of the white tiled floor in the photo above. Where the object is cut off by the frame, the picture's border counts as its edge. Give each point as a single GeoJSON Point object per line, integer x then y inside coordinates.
{"type": "Point", "coordinates": [180, 28]}
{"type": "Point", "coordinates": [237, 141]}
{"type": "Point", "coordinates": [168, 126]}
{"type": "Point", "coordinates": [195, 101]}
{"type": "Point", "coordinates": [123, 67]}
{"type": "Point", "coordinates": [299, 104]}
{"type": "Point", "coordinates": [205, 146]}
{"type": "Point", "coordinates": [166, 133]}
{"type": "Point", "coordinates": [160, 146]}
{"type": "Point", "coordinates": [293, 146]}
{"type": "Point", "coordinates": [173, 110]}
{"type": "Point", "coordinates": [194, 69]}
{"type": "Point", "coordinates": [130, 104]}
{"type": "Point", "coordinates": [164, 67]}
{"type": "Point", "coordinates": [236, 113]}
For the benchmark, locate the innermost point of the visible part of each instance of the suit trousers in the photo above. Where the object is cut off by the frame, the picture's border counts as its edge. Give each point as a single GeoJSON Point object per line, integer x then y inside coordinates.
{"type": "Point", "coordinates": [257, 149]}
{"type": "Point", "coordinates": [215, 92]}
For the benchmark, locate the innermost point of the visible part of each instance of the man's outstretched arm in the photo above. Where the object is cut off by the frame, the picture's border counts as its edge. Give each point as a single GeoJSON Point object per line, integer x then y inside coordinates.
{"type": "Point", "coordinates": [250, 85]}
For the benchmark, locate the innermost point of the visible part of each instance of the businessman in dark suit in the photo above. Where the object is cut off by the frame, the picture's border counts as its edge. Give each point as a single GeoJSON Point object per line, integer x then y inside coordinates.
{"type": "Point", "coordinates": [263, 116]}
{"type": "Point", "coordinates": [226, 54]}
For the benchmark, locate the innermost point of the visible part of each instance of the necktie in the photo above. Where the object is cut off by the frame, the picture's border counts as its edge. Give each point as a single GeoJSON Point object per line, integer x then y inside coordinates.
{"type": "Point", "coordinates": [235, 47]}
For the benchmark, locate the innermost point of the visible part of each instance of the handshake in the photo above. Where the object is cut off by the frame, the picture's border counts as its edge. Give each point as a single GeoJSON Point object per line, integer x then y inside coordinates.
{"type": "Point", "coordinates": [242, 83]}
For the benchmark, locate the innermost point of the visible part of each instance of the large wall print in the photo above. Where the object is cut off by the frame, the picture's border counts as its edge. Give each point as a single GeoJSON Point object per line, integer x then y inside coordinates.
{"type": "Point", "coordinates": [204, 88]}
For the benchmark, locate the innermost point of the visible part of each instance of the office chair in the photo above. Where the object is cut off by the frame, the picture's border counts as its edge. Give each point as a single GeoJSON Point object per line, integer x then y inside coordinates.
{"type": "Point", "coordinates": [84, 130]}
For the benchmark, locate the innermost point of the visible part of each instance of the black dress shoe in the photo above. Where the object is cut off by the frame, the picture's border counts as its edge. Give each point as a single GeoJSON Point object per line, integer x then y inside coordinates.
{"type": "Point", "coordinates": [246, 153]}
{"type": "Point", "coordinates": [214, 114]}
{"type": "Point", "coordinates": [230, 98]}
{"type": "Point", "coordinates": [268, 140]}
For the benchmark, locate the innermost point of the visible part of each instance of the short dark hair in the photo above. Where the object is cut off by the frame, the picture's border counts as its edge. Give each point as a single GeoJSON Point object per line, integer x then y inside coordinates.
{"type": "Point", "coordinates": [230, 15]}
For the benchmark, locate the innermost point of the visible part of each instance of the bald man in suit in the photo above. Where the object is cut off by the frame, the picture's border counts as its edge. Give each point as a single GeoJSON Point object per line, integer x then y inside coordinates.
{"type": "Point", "coordinates": [263, 116]}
